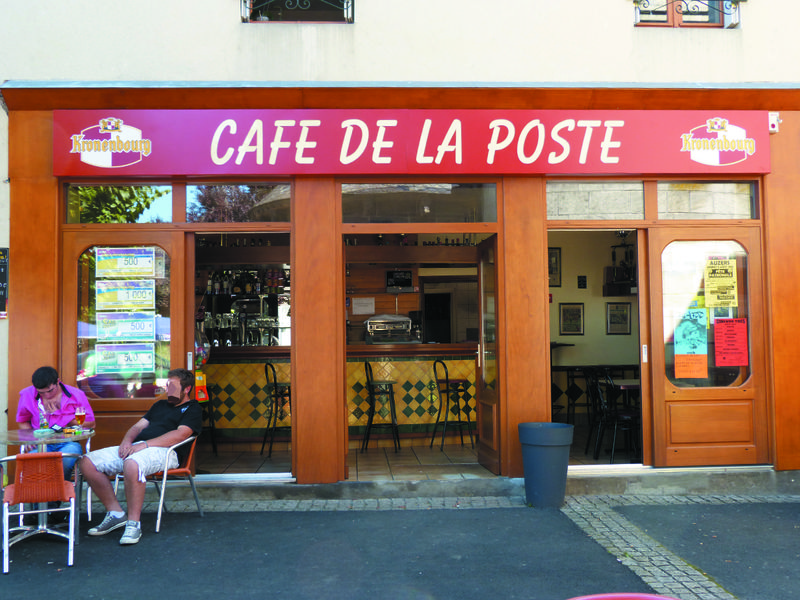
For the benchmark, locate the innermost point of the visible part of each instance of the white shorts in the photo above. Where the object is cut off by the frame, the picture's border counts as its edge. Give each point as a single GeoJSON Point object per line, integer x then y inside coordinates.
{"type": "Point", "coordinates": [150, 460]}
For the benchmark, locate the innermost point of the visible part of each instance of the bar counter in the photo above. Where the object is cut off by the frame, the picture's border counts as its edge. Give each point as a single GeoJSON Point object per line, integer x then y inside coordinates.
{"type": "Point", "coordinates": [237, 385]}
{"type": "Point", "coordinates": [411, 366]}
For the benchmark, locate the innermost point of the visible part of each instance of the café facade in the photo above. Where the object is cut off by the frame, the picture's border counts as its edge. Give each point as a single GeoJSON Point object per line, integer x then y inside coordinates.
{"type": "Point", "coordinates": [356, 183]}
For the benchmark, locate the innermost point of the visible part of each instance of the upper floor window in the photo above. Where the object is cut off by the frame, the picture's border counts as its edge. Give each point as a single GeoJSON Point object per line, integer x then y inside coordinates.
{"type": "Point", "coordinates": [298, 11]}
{"type": "Point", "coordinates": [687, 13]}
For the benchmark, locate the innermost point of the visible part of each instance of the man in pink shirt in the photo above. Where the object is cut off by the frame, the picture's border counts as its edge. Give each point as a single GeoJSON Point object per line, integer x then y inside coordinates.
{"type": "Point", "coordinates": [51, 400]}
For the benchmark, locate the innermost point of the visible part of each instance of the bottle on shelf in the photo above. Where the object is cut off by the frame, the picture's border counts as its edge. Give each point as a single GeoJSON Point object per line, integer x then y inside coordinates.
{"type": "Point", "coordinates": [226, 283]}
{"type": "Point", "coordinates": [236, 283]}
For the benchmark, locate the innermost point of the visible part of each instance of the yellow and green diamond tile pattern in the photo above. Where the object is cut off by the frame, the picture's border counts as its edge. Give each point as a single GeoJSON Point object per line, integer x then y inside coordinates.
{"type": "Point", "coordinates": [239, 395]}
{"type": "Point", "coordinates": [239, 392]}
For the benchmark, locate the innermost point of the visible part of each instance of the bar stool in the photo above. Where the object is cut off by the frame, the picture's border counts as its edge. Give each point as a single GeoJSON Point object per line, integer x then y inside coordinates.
{"type": "Point", "coordinates": [450, 390]}
{"type": "Point", "coordinates": [383, 389]}
{"type": "Point", "coordinates": [280, 393]}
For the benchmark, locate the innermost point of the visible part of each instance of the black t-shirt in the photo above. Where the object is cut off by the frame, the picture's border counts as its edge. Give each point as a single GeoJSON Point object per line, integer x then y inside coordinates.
{"type": "Point", "coordinates": [164, 417]}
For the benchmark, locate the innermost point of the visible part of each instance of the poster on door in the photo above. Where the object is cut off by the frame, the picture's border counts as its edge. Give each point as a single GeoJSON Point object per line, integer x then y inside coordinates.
{"type": "Point", "coordinates": [720, 283]}
{"type": "Point", "coordinates": [126, 326]}
{"type": "Point", "coordinates": [125, 359]}
{"type": "Point", "coordinates": [124, 262]}
{"type": "Point", "coordinates": [126, 294]}
{"type": "Point", "coordinates": [730, 343]}
{"type": "Point", "coordinates": [691, 345]}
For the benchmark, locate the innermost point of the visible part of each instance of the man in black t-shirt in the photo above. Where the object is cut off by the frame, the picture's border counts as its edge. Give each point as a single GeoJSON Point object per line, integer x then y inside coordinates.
{"type": "Point", "coordinates": [142, 452]}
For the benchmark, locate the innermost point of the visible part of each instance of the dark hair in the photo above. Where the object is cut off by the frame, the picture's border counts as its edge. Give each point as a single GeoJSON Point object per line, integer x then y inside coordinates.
{"type": "Point", "coordinates": [185, 376]}
{"type": "Point", "coordinates": [44, 377]}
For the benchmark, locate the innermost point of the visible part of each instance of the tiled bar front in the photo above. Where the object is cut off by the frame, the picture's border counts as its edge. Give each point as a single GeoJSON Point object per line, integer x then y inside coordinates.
{"type": "Point", "coordinates": [237, 388]}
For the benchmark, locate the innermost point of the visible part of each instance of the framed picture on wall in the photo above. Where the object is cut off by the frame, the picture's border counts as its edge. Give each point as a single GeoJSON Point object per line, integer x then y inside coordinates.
{"type": "Point", "coordinates": [618, 318]}
{"type": "Point", "coordinates": [554, 266]}
{"type": "Point", "coordinates": [570, 318]}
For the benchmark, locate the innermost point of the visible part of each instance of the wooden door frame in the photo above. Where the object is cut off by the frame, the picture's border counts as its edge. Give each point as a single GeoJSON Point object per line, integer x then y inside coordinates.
{"type": "Point", "coordinates": [755, 388]}
{"type": "Point", "coordinates": [488, 409]}
{"type": "Point", "coordinates": [116, 414]}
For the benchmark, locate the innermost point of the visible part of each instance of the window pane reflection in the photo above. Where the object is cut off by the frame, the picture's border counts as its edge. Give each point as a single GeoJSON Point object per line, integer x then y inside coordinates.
{"type": "Point", "coordinates": [579, 200]}
{"type": "Point", "coordinates": [119, 203]}
{"type": "Point", "coordinates": [238, 203]}
{"type": "Point", "coordinates": [707, 200]}
{"type": "Point", "coordinates": [419, 203]}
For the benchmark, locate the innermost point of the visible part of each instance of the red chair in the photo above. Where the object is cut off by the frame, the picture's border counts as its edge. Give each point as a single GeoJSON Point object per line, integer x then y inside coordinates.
{"type": "Point", "coordinates": [183, 470]}
{"type": "Point", "coordinates": [39, 479]}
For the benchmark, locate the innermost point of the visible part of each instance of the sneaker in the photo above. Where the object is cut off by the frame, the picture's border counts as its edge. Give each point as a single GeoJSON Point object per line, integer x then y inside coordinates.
{"type": "Point", "coordinates": [110, 523]}
{"type": "Point", "coordinates": [133, 531]}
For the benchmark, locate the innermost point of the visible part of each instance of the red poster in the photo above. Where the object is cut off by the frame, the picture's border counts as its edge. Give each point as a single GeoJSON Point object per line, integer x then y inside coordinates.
{"type": "Point", "coordinates": [287, 142]}
{"type": "Point", "coordinates": [730, 342]}
{"type": "Point", "coordinates": [691, 366]}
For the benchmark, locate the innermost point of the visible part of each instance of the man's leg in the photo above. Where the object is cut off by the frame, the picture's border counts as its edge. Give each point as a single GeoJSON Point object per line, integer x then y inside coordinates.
{"type": "Point", "coordinates": [134, 490]}
{"type": "Point", "coordinates": [134, 497]}
{"type": "Point", "coordinates": [100, 484]}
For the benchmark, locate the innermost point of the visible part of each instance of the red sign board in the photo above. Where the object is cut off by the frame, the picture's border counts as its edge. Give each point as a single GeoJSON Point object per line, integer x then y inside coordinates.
{"type": "Point", "coordinates": [399, 142]}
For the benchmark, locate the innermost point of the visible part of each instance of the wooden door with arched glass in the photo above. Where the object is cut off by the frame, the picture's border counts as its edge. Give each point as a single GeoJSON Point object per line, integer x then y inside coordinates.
{"type": "Point", "coordinates": [122, 322]}
{"type": "Point", "coordinates": [708, 355]}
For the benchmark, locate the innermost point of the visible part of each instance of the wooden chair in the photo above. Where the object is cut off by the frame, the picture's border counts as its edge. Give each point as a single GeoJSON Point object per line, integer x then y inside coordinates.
{"type": "Point", "coordinates": [39, 479]}
{"type": "Point", "coordinates": [183, 470]}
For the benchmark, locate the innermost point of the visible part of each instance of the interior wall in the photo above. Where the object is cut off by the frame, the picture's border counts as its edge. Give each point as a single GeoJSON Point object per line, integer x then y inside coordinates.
{"type": "Point", "coordinates": [464, 307]}
{"type": "Point", "coordinates": [586, 253]}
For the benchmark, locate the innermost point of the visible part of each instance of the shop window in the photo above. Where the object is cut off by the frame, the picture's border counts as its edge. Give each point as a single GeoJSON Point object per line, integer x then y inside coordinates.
{"type": "Point", "coordinates": [243, 288]}
{"type": "Point", "coordinates": [419, 203]}
{"type": "Point", "coordinates": [305, 11]}
{"type": "Point", "coordinates": [238, 203]}
{"type": "Point", "coordinates": [687, 13]}
{"type": "Point", "coordinates": [578, 200]}
{"type": "Point", "coordinates": [706, 325]}
{"type": "Point", "coordinates": [123, 321]}
{"type": "Point", "coordinates": [707, 200]}
{"type": "Point", "coordinates": [119, 203]}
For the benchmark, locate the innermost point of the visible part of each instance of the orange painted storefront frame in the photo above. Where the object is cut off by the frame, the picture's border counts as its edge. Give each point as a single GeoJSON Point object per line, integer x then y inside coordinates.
{"type": "Point", "coordinates": [36, 228]}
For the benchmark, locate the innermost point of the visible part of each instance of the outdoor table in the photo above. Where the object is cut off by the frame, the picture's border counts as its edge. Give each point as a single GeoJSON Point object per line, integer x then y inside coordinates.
{"type": "Point", "coordinates": [26, 437]}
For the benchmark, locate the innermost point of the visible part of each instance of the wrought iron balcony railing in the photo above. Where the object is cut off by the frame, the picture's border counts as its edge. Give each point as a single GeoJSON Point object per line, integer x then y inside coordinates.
{"type": "Point", "coordinates": [320, 11]}
{"type": "Point", "coordinates": [682, 13]}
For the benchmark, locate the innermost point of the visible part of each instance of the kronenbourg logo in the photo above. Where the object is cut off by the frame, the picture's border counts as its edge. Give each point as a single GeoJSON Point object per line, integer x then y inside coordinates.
{"type": "Point", "coordinates": [717, 143]}
{"type": "Point", "coordinates": [111, 144]}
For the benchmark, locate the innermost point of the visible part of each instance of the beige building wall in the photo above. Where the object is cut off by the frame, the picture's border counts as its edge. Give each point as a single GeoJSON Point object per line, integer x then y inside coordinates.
{"type": "Point", "coordinates": [413, 41]}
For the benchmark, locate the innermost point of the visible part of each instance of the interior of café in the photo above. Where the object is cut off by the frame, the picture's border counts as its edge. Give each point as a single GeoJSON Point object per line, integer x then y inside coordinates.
{"type": "Point", "coordinates": [430, 282]}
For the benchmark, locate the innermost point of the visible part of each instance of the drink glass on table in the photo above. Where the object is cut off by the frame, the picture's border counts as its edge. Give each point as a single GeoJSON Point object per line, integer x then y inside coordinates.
{"type": "Point", "coordinates": [80, 417]}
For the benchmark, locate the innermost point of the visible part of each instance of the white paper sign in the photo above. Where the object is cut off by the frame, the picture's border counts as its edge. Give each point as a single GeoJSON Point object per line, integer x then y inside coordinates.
{"type": "Point", "coordinates": [363, 306]}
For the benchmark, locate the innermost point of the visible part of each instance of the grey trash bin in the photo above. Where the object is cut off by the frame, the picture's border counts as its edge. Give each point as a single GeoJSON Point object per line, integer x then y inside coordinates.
{"type": "Point", "coordinates": [545, 457]}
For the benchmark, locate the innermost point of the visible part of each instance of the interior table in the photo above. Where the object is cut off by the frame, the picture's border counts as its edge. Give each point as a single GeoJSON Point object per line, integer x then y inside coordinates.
{"type": "Point", "coordinates": [626, 386]}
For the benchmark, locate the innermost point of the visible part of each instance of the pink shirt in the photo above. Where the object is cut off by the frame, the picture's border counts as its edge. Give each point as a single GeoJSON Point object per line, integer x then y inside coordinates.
{"type": "Point", "coordinates": [28, 408]}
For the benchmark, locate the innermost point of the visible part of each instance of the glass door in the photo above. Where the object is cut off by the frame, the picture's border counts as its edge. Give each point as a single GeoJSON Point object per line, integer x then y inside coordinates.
{"type": "Point", "coordinates": [708, 357]}
{"type": "Point", "coordinates": [487, 403]}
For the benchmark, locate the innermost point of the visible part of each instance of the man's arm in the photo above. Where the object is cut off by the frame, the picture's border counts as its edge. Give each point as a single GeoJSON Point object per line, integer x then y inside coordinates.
{"type": "Point", "coordinates": [171, 437]}
{"type": "Point", "coordinates": [126, 447]}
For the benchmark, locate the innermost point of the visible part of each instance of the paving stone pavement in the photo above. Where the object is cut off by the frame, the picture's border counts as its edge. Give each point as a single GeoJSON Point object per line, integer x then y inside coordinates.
{"type": "Point", "coordinates": [667, 573]}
